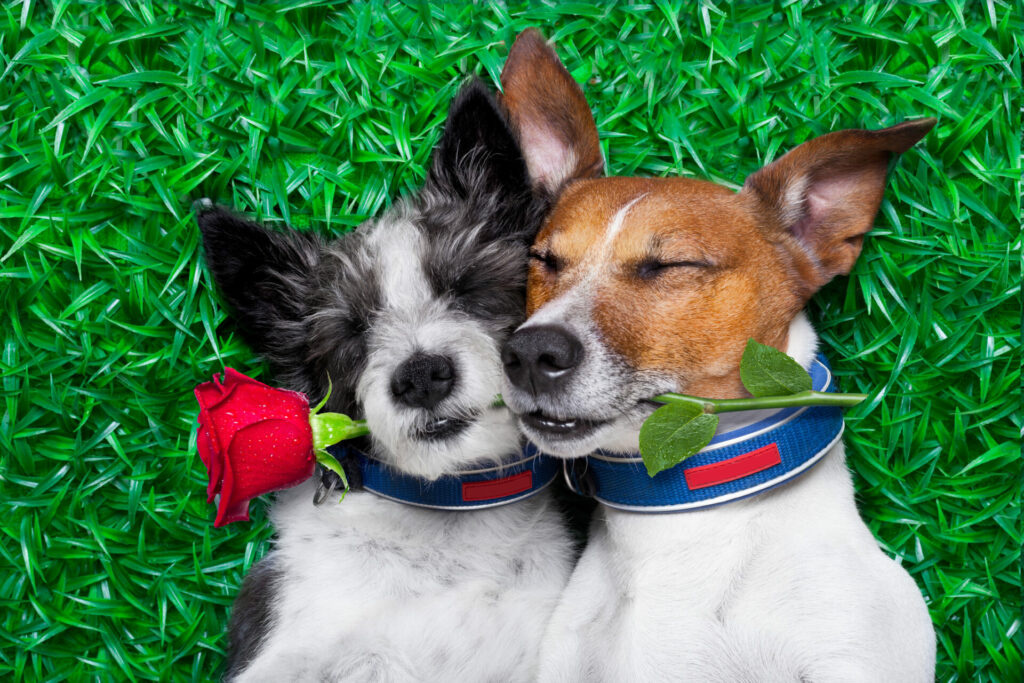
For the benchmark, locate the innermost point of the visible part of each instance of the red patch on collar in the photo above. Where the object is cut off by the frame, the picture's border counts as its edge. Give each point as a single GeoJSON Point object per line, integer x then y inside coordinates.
{"type": "Point", "coordinates": [733, 468]}
{"type": "Point", "coordinates": [492, 489]}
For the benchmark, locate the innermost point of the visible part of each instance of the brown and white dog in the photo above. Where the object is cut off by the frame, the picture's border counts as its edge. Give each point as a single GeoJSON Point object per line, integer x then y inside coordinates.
{"type": "Point", "coordinates": [640, 286]}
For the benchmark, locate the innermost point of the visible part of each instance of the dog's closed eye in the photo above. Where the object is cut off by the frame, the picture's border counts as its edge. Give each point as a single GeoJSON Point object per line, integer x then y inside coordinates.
{"type": "Point", "coordinates": [652, 267]}
{"type": "Point", "coordinates": [549, 261]}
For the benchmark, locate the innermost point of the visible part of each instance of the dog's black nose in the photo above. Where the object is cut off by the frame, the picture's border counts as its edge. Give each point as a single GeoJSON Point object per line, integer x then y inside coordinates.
{"type": "Point", "coordinates": [423, 380]}
{"type": "Point", "coordinates": [540, 359]}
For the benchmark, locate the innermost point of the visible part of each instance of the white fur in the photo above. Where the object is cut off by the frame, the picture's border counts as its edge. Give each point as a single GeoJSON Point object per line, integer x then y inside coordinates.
{"type": "Point", "coordinates": [787, 586]}
{"type": "Point", "coordinates": [381, 591]}
{"type": "Point", "coordinates": [398, 246]}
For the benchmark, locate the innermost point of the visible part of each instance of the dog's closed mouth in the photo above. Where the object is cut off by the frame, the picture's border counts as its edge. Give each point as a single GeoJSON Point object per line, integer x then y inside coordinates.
{"type": "Point", "coordinates": [443, 428]}
{"type": "Point", "coordinates": [560, 428]}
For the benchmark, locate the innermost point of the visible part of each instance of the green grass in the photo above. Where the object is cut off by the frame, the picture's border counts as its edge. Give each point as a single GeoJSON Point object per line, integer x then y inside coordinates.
{"type": "Point", "coordinates": [114, 117]}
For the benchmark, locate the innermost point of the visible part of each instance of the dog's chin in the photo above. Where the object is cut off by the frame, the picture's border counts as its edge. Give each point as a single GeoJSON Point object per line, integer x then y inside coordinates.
{"type": "Point", "coordinates": [578, 436]}
{"type": "Point", "coordinates": [579, 421]}
{"type": "Point", "coordinates": [446, 445]}
{"type": "Point", "coordinates": [564, 439]}
{"type": "Point", "coordinates": [442, 429]}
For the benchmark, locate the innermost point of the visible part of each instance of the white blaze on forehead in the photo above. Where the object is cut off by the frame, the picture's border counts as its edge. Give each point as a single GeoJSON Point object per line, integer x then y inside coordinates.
{"type": "Point", "coordinates": [399, 247]}
{"type": "Point", "coordinates": [615, 225]}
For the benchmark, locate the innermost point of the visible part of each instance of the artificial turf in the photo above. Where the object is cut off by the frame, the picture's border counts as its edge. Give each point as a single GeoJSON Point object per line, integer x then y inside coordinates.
{"type": "Point", "coordinates": [114, 117]}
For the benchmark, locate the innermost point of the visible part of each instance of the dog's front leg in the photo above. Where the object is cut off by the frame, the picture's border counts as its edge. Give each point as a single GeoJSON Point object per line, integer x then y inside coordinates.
{"type": "Point", "coordinates": [580, 620]}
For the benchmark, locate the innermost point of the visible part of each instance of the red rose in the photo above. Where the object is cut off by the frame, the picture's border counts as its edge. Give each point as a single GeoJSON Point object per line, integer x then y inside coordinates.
{"type": "Point", "coordinates": [253, 439]}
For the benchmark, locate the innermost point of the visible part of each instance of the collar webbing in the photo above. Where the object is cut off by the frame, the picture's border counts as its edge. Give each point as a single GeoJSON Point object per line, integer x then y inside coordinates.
{"type": "Point", "coordinates": [469, 490]}
{"type": "Point", "coordinates": [736, 463]}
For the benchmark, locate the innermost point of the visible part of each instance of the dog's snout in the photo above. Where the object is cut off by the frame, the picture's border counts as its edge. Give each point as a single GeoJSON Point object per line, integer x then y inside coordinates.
{"type": "Point", "coordinates": [540, 359]}
{"type": "Point", "coordinates": [423, 380]}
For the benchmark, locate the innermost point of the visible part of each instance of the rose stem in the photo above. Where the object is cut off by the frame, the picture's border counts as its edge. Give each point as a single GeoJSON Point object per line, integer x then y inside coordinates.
{"type": "Point", "coordinates": [731, 405]}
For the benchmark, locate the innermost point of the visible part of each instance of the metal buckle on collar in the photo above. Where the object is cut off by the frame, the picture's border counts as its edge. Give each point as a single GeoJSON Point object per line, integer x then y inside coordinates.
{"type": "Point", "coordinates": [323, 490]}
{"type": "Point", "coordinates": [329, 481]}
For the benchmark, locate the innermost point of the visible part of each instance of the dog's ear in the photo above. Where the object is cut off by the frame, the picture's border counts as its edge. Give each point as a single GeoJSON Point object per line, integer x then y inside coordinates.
{"type": "Point", "coordinates": [556, 129]}
{"type": "Point", "coordinates": [478, 154]}
{"type": "Point", "coordinates": [265, 277]}
{"type": "Point", "coordinates": [827, 191]}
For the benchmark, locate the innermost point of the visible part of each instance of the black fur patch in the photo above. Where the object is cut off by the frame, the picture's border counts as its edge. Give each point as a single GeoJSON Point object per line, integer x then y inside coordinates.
{"type": "Point", "coordinates": [264, 276]}
{"type": "Point", "coordinates": [485, 279]}
{"type": "Point", "coordinates": [346, 297]}
{"type": "Point", "coordinates": [251, 616]}
{"type": "Point", "coordinates": [478, 157]}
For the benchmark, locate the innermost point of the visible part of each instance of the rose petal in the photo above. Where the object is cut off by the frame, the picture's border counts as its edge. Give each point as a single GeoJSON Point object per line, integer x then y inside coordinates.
{"type": "Point", "coordinates": [232, 376]}
{"type": "Point", "coordinates": [246, 401]}
{"type": "Point", "coordinates": [237, 512]}
{"type": "Point", "coordinates": [213, 459]}
{"type": "Point", "coordinates": [218, 436]}
{"type": "Point", "coordinates": [230, 507]}
{"type": "Point", "coordinates": [271, 455]}
{"type": "Point", "coordinates": [215, 396]}
{"type": "Point", "coordinates": [209, 398]}
{"type": "Point", "coordinates": [251, 404]}
{"type": "Point", "coordinates": [209, 394]}
{"type": "Point", "coordinates": [263, 457]}
{"type": "Point", "coordinates": [271, 403]}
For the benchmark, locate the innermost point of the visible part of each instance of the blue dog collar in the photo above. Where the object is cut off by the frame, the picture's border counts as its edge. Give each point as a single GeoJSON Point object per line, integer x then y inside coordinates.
{"type": "Point", "coordinates": [738, 463]}
{"type": "Point", "coordinates": [469, 490]}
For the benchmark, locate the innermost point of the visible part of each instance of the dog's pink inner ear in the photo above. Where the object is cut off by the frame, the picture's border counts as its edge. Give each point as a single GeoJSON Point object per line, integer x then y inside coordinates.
{"type": "Point", "coordinates": [547, 107]}
{"type": "Point", "coordinates": [827, 191]}
{"type": "Point", "coordinates": [551, 162]}
{"type": "Point", "coordinates": [835, 212]}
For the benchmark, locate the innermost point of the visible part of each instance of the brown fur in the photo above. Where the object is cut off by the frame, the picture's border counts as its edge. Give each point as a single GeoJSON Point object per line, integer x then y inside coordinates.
{"type": "Point", "coordinates": [549, 110]}
{"type": "Point", "coordinates": [796, 224]}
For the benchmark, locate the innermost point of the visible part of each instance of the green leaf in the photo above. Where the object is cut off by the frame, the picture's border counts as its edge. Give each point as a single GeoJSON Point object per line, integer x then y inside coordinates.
{"type": "Point", "coordinates": [330, 428]}
{"type": "Point", "coordinates": [672, 434]}
{"type": "Point", "coordinates": [766, 371]}
{"type": "Point", "coordinates": [330, 462]}
{"type": "Point", "coordinates": [326, 398]}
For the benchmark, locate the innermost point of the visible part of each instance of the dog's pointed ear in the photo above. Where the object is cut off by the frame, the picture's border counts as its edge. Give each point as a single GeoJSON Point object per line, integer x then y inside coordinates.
{"type": "Point", "coordinates": [478, 154]}
{"type": "Point", "coordinates": [826, 192]}
{"type": "Point", "coordinates": [551, 116]}
{"type": "Point", "coordinates": [265, 277]}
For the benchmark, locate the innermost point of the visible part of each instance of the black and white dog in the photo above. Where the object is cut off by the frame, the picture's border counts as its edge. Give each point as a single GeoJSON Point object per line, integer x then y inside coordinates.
{"type": "Point", "coordinates": [407, 315]}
